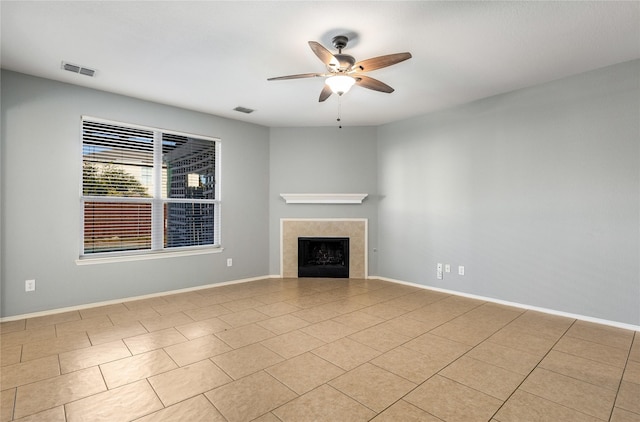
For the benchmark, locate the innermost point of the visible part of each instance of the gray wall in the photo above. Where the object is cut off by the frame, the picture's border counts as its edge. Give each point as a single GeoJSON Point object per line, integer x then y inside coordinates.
{"type": "Point", "coordinates": [536, 192]}
{"type": "Point", "coordinates": [41, 156]}
{"type": "Point", "coordinates": [322, 160]}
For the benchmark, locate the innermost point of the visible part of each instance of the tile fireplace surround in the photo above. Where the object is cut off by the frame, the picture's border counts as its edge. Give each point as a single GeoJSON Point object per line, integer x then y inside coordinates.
{"type": "Point", "coordinates": [353, 228]}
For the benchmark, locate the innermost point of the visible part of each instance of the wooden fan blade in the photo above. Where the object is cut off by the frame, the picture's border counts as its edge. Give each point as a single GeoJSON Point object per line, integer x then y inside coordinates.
{"type": "Point", "coordinates": [380, 62]}
{"type": "Point", "coordinates": [325, 93]}
{"type": "Point", "coordinates": [370, 83]}
{"type": "Point", "coordinates": [301, 75]}
{"type": "Point", "coordinates": [324, 54]}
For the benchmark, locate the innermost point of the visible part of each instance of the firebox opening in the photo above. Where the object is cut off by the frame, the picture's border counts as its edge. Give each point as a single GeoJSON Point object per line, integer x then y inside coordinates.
{"type": "Point", "coordinates": [323, 257]}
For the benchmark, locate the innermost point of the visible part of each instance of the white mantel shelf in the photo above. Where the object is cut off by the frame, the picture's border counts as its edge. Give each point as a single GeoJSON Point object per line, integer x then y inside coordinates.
{"type": "Point", "coordinates": [323, 198]}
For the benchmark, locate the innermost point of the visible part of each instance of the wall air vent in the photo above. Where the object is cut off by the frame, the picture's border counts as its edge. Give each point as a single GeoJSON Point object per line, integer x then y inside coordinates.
{"type": "Point", "coordinates": [244, 110]}
{"type": "Point", "coordinates": [78, 69]}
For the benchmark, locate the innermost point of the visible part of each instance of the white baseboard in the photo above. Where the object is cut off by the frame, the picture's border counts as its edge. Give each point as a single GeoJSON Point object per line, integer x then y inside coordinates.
{"type": "Point", "coordinates": [519, 305]}
{"type": "Point", "coordinates": [129, 299]}
{"type": "Point", "coordinates": [391, 280]}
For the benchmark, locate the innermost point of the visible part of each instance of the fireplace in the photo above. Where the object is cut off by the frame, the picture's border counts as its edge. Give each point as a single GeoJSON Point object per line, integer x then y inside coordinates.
{"type": "Point", "coordinates": [323, 257]}
{"type": "Point", "coordinates": [354, 229]}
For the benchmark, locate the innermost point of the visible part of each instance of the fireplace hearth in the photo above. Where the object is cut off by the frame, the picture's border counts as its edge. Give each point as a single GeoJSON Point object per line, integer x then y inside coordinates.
{"type": "Point", "coordinates": [323, 257]}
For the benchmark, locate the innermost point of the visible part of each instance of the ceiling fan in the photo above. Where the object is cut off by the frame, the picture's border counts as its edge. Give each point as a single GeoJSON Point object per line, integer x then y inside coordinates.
{"type": "Point", "coordinates": [343, 71]}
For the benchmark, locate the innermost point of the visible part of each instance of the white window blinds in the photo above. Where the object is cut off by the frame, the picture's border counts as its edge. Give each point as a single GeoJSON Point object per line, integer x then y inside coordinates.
{"type": "Point", "coordinates": [146, 189]}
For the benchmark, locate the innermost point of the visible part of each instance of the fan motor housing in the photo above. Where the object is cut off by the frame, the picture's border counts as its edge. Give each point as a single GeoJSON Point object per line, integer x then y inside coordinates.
{"type": "Point", "coordinates": [346, 61]}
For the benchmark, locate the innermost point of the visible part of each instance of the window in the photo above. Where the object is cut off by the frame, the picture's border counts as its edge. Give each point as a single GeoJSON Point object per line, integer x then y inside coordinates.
{"type": "Point", "coordinates": [147, 190]}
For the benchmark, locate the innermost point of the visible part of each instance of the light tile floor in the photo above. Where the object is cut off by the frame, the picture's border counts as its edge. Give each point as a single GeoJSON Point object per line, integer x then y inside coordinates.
{"type": "Point", "coordinates": [316, 350]}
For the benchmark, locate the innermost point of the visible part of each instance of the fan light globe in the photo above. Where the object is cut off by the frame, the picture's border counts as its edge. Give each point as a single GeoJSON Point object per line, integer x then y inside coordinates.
{"type": "Point", "coordinates": [340, 84]}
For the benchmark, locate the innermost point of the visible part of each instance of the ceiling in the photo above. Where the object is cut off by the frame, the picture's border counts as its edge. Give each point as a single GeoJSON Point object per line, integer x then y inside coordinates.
{"type": "Point", "coordinates": [213, 56]}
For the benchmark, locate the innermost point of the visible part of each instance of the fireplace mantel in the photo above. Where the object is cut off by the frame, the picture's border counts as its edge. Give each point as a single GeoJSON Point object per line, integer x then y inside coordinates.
{"type": "Point", "coordinates": [323, 198]}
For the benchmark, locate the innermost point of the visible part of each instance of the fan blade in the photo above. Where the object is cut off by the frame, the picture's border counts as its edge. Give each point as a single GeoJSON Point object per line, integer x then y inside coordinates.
{"type": "Point", "coordinates": [325, 93]}
{"type": "Point", "coordinates": [324, 54]}
{"type": "Point", "coordinates": [301, 75]}
{"type": "Point", "coordinates": [380, 62]}
{"type": "Point", "coordinates": [370, 83]}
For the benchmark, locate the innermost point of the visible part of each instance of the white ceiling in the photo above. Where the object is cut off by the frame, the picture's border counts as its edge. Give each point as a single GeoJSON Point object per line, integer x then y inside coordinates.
{"type": "Point", "coordinates": [212, 56]}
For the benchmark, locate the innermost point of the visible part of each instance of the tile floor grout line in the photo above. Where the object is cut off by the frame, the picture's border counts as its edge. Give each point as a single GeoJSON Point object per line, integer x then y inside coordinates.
{"type": "Point", "coordinates": [595, 342]}
{"type": "Point", "coordinates": [635, 334]}
{"type": "Point", "coordinates": [15, 401]}
{"type": "Point", "coordinates": [297, 396]}
{"type": "Point", "coordinates": [434, 374]}
{"type": "Point", "coordinates": [170, 357]}
{"type": "Point", "coordinates": [213, 404]}
{"type": "Point", "coordinates": [225, 372]}
{"type": "Point", "coordinates": [579, 379]}
{"type": "Point", "coordinates": [358, 366]}
{"type": "Point", "coordinates": [157, 396]}
{"type": "Point", "coordinates": [565, 407]}
{"type": "Point", "coordinates": [589, 359]}
{"type": "Point", "coordinates": [533, 369]}
{"type": "Point", "coordinates": [411, 391]}
{"type": "Point", "coordinates": [406, 394]}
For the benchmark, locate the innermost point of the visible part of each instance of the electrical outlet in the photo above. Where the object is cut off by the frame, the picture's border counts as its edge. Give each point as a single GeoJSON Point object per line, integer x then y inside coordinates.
{"type": "Point", "coordinates": [229, 262]}
{"type": "Point", "coordinates": [447, 268]}
{"type": "Point", "coordinates": [29, 285]}
{"type": "Point", "coordinates": [461, 270]}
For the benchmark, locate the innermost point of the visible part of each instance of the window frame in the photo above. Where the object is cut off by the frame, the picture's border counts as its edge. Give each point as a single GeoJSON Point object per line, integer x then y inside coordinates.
{"type": "Point", "coordinates": [158, 203]}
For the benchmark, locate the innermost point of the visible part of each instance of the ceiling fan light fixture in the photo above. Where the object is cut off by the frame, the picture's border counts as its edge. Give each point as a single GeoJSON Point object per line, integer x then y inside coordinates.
{"type": "Point", "coordinates": [340, 84]}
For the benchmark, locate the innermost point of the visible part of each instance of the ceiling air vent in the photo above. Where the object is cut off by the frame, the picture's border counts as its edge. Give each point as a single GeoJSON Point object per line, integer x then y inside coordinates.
{"type": "Point", "coordinates": [78, 69]}
{"type": "Point", "coordinates": [244, 110]}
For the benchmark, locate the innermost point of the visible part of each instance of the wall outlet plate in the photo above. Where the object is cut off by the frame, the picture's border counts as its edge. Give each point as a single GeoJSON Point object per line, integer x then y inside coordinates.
{"type": "Point", "coordinates": [461, 270]}
{"type": "Point", "coordinates": [29, 285]}
{"type": "Point", "coordinates": [229, 262]}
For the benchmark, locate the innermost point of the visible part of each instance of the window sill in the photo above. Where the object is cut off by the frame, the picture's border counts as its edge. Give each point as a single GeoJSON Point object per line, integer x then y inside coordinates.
{"type": "Point", "coordinates": [144, 257]}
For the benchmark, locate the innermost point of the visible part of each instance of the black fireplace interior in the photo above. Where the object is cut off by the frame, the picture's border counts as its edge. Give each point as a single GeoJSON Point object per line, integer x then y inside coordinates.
{"type": "Point", "coordinates": [323, 257]}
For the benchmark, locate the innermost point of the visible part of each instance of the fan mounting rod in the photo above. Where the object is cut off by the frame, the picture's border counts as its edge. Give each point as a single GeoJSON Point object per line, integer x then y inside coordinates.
{"type": "Point", "coordinates": [344, 62]}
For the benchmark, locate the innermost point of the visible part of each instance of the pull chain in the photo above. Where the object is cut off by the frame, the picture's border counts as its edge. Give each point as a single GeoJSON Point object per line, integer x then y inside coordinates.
{"type": "Point", "coordinates": [339, 111]}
